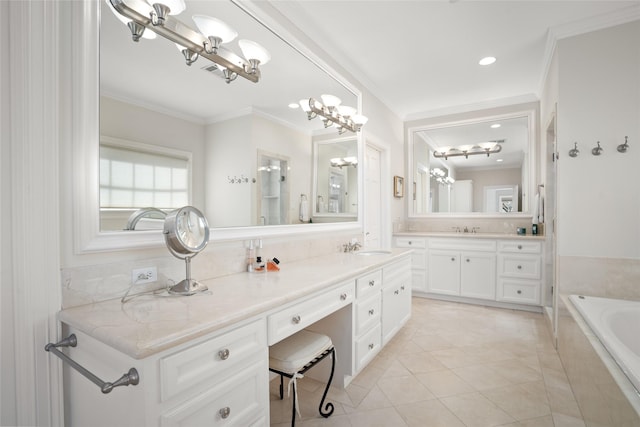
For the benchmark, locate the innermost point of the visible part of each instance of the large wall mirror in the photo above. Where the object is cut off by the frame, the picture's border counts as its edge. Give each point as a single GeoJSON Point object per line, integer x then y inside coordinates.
{"type": "Point", "coordinates": [480, 167]}
{"type": "Point", "coordinates": [172, 134]}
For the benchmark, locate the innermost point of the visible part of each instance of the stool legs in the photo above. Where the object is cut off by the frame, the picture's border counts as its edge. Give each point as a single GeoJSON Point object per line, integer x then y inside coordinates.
{"type": "Point", "coordinates": [329, 407]}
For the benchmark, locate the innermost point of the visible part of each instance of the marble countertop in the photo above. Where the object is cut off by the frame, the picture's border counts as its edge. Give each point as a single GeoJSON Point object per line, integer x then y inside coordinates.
{"type": "Point", "coordinates": [148, 324]}
{"type": "Point", "coordinates": [469, 235]}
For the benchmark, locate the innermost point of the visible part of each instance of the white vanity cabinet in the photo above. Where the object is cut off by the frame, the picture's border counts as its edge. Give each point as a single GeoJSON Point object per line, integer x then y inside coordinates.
{"type": "Point", "coordinates": [219, 379]}
{"type": "Point", "coordinates": [520, 271]}
{"type": "Point", "coordinates": [203, 360]}
{"type": "Point", "coordinates": [463, 267]}
{"type": "Point", "coordinates": [396, 298]}
{"type": "Point", "coordinates": [418, 260]}
{"type": "Point", "coordinates": [368, 311]}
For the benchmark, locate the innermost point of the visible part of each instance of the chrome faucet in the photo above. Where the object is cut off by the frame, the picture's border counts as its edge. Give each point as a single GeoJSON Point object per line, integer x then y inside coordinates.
{"type": "Point", "coordinates": [351, 247]}
{"type": "Point", "coordinates": [466, 229]}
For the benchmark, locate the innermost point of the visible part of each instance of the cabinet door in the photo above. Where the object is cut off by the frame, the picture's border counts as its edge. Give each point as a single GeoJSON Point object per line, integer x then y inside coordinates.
{"type": "Point", "coordinates": [478, 275]}
{"type": "Point", "coordinates": [444, 272]}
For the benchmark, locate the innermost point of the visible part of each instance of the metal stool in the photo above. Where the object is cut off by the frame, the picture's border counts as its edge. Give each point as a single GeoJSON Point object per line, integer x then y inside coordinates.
{"type": "Point", "coordinates": [294, 356]}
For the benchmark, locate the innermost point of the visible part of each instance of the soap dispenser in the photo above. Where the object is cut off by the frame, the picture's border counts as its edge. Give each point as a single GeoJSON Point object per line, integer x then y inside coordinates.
{"type": "Point", "coordinates": [251, 253]}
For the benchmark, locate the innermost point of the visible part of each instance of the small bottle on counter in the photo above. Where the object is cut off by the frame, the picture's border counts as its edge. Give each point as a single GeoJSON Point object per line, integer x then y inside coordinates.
{"type": "Point", "coordinates": [251, 253]}
{"type": "Point", "coordinates": [534, 229]}
{"type": "Point", "coordinates": [272, 264]}
{"type": "Point", "coordinates": [259, 267]}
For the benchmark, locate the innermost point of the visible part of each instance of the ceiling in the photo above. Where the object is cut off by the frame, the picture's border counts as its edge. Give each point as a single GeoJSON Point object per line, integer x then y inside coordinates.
{"type": "Point", "coordinates": [421, 57]}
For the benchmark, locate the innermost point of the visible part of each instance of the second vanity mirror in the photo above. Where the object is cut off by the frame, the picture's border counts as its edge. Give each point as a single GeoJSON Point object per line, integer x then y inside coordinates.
{"type": "Point", "coordinates": [335, 186]}
{"type": "Point", "coordinates": [478, 167]}
{"type": "Point", "coordinates": [241, 152]}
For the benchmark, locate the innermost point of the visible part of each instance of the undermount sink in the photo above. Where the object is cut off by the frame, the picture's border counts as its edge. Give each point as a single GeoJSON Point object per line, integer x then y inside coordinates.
{"type": "Point", "coordinates": [374, 252]}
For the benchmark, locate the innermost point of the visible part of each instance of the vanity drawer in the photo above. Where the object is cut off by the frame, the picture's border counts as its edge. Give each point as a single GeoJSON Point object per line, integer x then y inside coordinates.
{"type": "Point", "coordinates": [211, 359]}
{"type": "Point", "coordinates": [462, 244]}
{"type": "Point", "coordinates": [367, 347]}
{"type": "Point", "coordinates": [523, 292]}
{"type": "Point", "coordinates": [519, 246]}
{"type": "Point", "coordinates": [292, 319]}
{"type": "Point", "coordinates": [525, 267]}
{"type": "Point", "coordinates": [369, 284]}
{"type": "Point", "coordinates": [396, 272]}
{"type": "Point", "coordinates": [368, 313]}
{"type": "Point", "coordinates": [410, 242]}
{"type": "Point", "coordinates": [239, 401]}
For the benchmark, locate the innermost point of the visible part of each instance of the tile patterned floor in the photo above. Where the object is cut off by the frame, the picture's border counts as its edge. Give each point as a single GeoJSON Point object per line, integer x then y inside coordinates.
{"type": "Point", "coordinates": [452, 365]}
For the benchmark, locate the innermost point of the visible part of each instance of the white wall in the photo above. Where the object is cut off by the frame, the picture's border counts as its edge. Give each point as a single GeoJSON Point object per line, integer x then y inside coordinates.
{"type": "Point", "coordinates": [7, 359]}
{"type": "Point", "coordinates": [122, 120]}
{"type": "Point", "coordinates": [599, 100]}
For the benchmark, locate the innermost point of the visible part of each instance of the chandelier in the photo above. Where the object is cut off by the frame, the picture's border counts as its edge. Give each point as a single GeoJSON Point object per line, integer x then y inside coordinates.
{"type": "Point", "coordinates": [333, 113]}
{"type": "Point", "coordinates": [145, 18]}
{"type": "Point", "coordinates": [488, 148]}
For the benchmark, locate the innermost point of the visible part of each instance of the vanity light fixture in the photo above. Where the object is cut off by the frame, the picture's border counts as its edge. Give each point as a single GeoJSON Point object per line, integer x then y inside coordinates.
{"type": "Point", "coordinates": [441, 176]}
{"type": "Point", "coordinates": [206, 42]}
{"type": "Point", "coordinates": [333, 113]}
{"type": "Point", "coordinates": [487, 148]}
{"type": "Point", "coordinates": [340, 162]}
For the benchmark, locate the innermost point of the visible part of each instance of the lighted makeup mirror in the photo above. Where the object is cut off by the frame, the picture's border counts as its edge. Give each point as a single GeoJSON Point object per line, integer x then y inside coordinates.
{"type": "Point", "coordinates": [186, 233]}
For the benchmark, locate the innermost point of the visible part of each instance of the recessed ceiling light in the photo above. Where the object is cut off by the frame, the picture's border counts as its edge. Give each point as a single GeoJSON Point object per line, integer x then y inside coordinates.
{"type": "Point", "coordinates": [495, 125]}
{"type": "Point", "coordinates": [294, 105]}
{"type": "Point", "coordinates": [499, 160]}
{"type": "Point", "coordinates": [487, 60]}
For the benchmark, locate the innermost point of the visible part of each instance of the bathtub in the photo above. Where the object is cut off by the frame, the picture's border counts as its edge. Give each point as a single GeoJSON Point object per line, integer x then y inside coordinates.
{"type": "Point", "coordinates": [616, 323]}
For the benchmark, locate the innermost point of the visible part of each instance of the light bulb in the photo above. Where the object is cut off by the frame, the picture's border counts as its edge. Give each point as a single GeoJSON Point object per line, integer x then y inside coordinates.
{"type": "Point", "coordinates": [330, 100]}
{"type": "Point", "coordinates": [359, 119]}
{"type": "Point", "coordinates": [213, 27]}
{"type": "Point", "coordinates": [304, 104]}
{"type": "Point", "coordinates": [346, 111]}
{"type": "Point", "coordinates": [252, 51]}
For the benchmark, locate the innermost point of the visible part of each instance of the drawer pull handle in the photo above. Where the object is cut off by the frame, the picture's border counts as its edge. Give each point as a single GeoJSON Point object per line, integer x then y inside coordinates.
{"type": "Point", "coordinates": [225, 412]}
{"type": "Point", "coordinates": [371, 346]}
{"type": "Point", "coordinates": [296, 319]}
{"type": "Point", "coordinates": [223, 354]}
{"type": "Point", "coordinates": [396, 291]}
{"type": "Point", "coordinates": [372, 282]}
{"type": "Point", "coordinates": [410, 242]}
{"type": "Point", "coordinates": [468, 260]}
{"type": "Point", "coordinates": [519, 291]}
{"type": "Point", "coordinates": [519, 267]}
{"type": "Point", "coordinates": [453, 259]}
{"type": "Point", "coordinates": [402, 287]}
{"type": "Point", "coordinates": [519, 246]}
{"type": "Point", "coordinates": [371, 312]}
{"type": "Point", "coordinates": [343, 297]}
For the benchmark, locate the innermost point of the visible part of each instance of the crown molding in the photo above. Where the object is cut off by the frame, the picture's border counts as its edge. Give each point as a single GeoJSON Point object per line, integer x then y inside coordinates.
{"type": "Point", "coordinates": [476, 106]}
{"type": "Point", "coordinates": [583, 26]}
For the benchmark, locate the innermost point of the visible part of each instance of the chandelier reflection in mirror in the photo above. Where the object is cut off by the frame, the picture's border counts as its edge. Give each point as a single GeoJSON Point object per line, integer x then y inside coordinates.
{"type": "Point", "coordinates": [150, 17]}
{"type": "Point", "coordinates": [333, 113]}
{"type": "Point", "coordinates": [487, 148]}
{"type": "Point", "coordinates": [441, 176]}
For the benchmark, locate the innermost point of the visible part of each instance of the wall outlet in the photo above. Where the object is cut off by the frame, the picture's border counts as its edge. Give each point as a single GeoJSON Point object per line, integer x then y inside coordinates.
{"type": "Point", "coordinates": [144, 275]}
